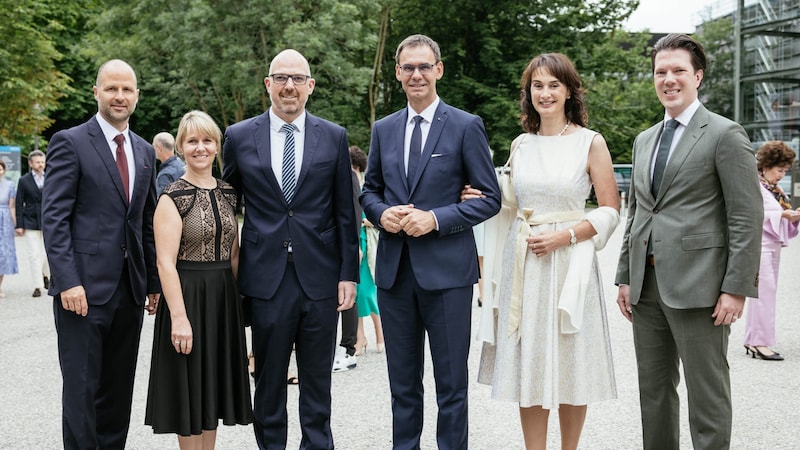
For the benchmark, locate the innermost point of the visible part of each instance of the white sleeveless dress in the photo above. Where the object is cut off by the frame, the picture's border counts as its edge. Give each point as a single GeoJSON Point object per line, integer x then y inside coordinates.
{"type": "Point", "coordinates": [536, 364]}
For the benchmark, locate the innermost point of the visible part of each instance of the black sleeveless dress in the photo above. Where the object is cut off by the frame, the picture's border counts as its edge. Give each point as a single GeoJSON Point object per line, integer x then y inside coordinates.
{"type": "Point", "coordinates": [190, 393]}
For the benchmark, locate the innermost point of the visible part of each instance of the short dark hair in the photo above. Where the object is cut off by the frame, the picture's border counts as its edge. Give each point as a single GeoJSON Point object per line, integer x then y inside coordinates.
{"type": "Point", "coordinates": [3, 164]}
{"type": "Point", "coordinates": [774, 154]}
{"type": "Point", "coordinates": [358, 158]}
{"type": "Point", "coordinates": [416, 40]}
{"type": "Point", "coordinates": [559, 66]}
{"type": "Point", "coordinates": [676, 41]}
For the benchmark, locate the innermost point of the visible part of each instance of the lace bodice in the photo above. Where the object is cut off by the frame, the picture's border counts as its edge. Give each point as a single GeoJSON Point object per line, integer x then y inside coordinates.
{"type": "Point", "coordinates": [209, 220]}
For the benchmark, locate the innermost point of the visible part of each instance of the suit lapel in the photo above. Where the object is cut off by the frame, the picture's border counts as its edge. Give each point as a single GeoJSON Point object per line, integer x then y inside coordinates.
{"type": "Point", "coordinates": [693, 132]}
{"type": "Point", "coordinates": [434, 133]}
{"type": "Point", "coordinates": [309, 148]}
{"type": "Point", "coordinates": [98, 141]}
{"type": "Point", "coordinates": [263, 146]}
{"type": "Point", "coordinates": [143, 167]}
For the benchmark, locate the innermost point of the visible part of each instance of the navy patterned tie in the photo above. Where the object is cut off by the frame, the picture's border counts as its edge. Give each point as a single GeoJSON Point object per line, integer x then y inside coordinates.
{"type": "Point", "coordinates": [288, 181]}
{"type": "Point", "coordinates": [414, 150]}
{"type": "Point", "coordinates": [662, 155]}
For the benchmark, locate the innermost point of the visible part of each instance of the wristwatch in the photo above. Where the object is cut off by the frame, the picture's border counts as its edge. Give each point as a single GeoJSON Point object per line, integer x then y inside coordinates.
{"type": "Point", "coordinates": [572, 238]}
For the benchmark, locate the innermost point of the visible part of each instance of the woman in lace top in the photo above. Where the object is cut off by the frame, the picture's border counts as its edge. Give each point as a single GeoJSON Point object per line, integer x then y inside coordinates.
{"type": "Point", "coordinates": [199, 364]}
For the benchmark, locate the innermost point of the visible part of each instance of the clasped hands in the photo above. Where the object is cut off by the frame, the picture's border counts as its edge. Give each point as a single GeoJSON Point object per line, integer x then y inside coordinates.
{"type": "Point", "coordinates": [412, 221]}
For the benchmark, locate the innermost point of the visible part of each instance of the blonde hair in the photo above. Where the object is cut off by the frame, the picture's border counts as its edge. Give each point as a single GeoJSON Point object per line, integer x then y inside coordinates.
{"type": "Point", "coordinates": [197, 121]}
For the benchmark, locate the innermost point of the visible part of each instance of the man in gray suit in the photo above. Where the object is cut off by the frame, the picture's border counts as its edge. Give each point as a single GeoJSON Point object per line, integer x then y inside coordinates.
{"type": "Point", "coordinates": [690, 254]}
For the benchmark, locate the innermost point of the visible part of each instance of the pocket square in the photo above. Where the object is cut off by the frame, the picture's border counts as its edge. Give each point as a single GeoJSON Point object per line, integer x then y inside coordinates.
{"type": "Point", "coordinates": [436, 155]}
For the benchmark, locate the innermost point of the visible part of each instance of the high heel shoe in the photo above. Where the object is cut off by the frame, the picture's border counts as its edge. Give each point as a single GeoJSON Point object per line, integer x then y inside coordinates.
{"type": "Point", "coordinates": [380, 347]}
{"type": "Point", "coordinates": [361, 349]}
{"type": "Point", "coordinates": [754, 350]}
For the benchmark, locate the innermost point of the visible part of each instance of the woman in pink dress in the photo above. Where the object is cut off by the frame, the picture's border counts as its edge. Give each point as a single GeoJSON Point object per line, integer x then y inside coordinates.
{"type": "Point", "coordinates": [775, 158]}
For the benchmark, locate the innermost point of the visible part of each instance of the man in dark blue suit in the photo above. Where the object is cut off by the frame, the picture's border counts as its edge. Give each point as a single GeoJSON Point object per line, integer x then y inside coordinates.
{"type": "Point", "coordinates": [29, 220]}
{"type": "Point", "coordinates": [97, 221]}
{"type": "Point", "coordinates": [419, 159]}
{"type": "Point", "coordinates": [299, 248]}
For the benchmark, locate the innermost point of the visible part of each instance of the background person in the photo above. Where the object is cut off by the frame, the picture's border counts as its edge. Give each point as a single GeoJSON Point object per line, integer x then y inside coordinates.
{"type": "Point", "coordinates": [419, 159]}
{"type": "Point", "coordinates": [775, 158]}
{"type": "Point", "coordinates": [8, 249]}
{"type": "Point", "coordinates": [198, 373]}
{"type": "Point", "coordinates": [366, 291]}
{"type": "Point", "coordinates": [690, 252]}
{"type": "Point", "coordinates": [29, 220]}
{"type": "Point", "coordinates": [299, 257]}
{"type": "Point", "coordinates": [172, 167]}
{"type": "Point", "coordinates": [97, 220]}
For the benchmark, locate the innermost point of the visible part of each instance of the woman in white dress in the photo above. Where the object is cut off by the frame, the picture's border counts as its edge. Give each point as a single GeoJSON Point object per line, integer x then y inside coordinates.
{"type": "Point", "coordinates": [545, 330]}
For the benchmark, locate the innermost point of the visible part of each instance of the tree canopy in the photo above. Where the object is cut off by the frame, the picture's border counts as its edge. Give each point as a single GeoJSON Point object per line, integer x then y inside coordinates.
{"type": "Point", "coordinates": [213, 55]}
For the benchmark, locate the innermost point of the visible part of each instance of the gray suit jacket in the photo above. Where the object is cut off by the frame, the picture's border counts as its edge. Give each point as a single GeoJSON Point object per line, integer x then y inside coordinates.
{"type": "Point", "coordinates": [706, 221]}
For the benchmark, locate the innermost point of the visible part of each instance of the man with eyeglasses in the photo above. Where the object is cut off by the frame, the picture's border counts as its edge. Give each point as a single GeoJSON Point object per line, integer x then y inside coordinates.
{"type": "Point", "coordinates": [419, 159]}
{"type": "Point", "coordinates": [299, 248]}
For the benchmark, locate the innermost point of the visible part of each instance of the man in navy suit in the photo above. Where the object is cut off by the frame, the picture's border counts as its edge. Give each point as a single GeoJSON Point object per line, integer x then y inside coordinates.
{"type": "Point", "coordinates": [419, 159]}
{"type": "Point", "coordinates": [97, 220]}
{"type": "Point", "coordinates": [29, 220]}
{"type": "Point", "coordinates": [299, 248]}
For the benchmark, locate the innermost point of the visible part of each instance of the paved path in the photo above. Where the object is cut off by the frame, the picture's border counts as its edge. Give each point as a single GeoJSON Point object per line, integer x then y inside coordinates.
{"type": "Point", "coordinates": [765, 393]}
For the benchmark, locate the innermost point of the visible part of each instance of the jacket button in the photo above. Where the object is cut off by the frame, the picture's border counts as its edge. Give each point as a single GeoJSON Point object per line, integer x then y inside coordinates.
{"type": "Point", "coordinates": [123, 247]}
{"type": "Point", "coordinates": [285, 244]}
{"type": "Point", "coordinates": [291, 213]}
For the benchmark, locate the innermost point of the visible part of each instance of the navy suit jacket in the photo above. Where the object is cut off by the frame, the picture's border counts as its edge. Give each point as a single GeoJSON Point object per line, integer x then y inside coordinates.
{"type": "Point", "coordinates": [28, 203]}
{"type": "Point", "coordinates": [90, 231]}
{"type": "Point", "coordinates": [320, 222]}
{"type": "Point", "coordinates": [456, 153]}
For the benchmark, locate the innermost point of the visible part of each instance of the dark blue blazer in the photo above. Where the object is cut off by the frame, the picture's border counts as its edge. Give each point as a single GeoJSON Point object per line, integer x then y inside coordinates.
{"type": "Point", "coordinates": [28, 203]}
{"type": "Point", "coordinates": [90, 231]}
{"type": "Point", "coordinates": [320, 222]}
{"type": "Point", "coordinates": [456, 153]}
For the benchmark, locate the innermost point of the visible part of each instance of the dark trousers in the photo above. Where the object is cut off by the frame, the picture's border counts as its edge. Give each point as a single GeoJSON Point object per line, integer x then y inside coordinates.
{"type": "Point", "coordinates": [291, 319]}
{"type": "Point", "coordinates": [349, 329]}
{"type": "Point", "coordinates": [98, 362]}
{"type": "Point", "coordinates": [662, 336]}
{"type": "Point", "coordinates": [408, 312]}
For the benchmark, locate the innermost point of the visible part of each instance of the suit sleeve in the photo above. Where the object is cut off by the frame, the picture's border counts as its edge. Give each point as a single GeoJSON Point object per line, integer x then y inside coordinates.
{"type": "Point", "coordinates": [477, 163]}
{"type": "Point", "coordinates": [230, 171]}
{"type": "Point", "coordinates": [623, 265]}
{"type": "Point", "coordinates": [19, 203]}
{"type": "Point", "coordinates": [344, 211]}
{"type": "Point", "coordinates": [148, 235]}
{"type": "Point", "coordinates": [372, 193]}
{"type": "Point", "coordinates": [741, 192]}
{"type": "Point", "coordinates": [58, 203]}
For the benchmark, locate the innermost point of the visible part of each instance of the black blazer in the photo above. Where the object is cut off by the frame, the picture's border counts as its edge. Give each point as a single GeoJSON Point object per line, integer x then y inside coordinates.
{"type": "Point", "coordinates": [29, 203]}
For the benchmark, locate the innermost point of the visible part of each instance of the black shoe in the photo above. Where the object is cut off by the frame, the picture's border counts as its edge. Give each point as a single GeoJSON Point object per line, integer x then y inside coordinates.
{"type": "Point", "coordinates": [754, 350]}
{"type": "Point", "coordinates": [37, 293]}
{"type": "Point", "coordinates": [46, 283]}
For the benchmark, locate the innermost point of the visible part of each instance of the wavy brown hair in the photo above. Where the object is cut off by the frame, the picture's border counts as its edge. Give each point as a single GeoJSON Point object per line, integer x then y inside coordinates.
{"type": "Point", "coordinates": [560, 67]}
{"type": "Point", "coordinates": [774, 154]}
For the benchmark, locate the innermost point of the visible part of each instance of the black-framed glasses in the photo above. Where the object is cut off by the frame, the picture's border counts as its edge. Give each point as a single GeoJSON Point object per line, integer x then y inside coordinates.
{"type": "Point", "coordinates": [424, 68]}
{"type": "Point", "coordinates": [281, 78]}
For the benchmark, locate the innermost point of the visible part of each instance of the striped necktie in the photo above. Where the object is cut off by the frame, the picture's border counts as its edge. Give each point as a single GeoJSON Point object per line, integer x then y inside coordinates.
{"type": "Point", "coordinates": [288, 181]}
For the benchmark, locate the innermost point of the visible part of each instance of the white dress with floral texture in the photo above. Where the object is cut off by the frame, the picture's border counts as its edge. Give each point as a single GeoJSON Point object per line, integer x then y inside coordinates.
{"type": "Point", "coordinates": [537, 364]}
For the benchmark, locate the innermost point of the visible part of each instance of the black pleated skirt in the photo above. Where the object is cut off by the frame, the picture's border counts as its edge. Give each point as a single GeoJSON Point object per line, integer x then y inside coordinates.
{"type": "Point", "coordinates": [191, 393]}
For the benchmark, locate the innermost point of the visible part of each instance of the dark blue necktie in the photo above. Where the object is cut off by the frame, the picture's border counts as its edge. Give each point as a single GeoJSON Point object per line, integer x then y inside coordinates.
{"type": "Point", "coordinates": [288, 168]}
{"type": "Point", "coordinates": [414, 150]}
{"type": "Point", "coordinates": [662, 155]}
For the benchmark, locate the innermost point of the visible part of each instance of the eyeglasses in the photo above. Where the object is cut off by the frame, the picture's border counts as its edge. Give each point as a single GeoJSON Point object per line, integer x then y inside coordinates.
{"type": "Point", "coordinates": [424, 68]}
{"type": "Point", "coordinates": [280, 78]}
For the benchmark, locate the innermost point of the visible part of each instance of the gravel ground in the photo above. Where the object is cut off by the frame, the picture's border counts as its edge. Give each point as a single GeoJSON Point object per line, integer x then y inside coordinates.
{"type": "Point", "coordinates": [765, 393]}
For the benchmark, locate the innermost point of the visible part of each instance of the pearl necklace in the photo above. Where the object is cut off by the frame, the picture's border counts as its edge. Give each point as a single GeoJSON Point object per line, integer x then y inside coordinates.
{"type": "Point", "coordinates": [539, 133]}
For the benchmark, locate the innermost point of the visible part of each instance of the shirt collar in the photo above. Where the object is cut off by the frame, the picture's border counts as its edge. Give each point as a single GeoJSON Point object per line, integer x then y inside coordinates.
{"type": "Point", "coordinates": [275, 122]}
{"type": "Point", "coordinates": [110, 132]}
{"type": "Point", "coordinates": [687, 114]}
{"type": "Point", "coordinates": [427, 114]}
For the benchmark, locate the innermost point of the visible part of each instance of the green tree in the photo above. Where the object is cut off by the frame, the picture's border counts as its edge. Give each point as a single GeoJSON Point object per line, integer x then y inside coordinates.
{"type": "Point", "coordinates": [717, 90]}
{"type": "Point", "coordinates": [31, 84]}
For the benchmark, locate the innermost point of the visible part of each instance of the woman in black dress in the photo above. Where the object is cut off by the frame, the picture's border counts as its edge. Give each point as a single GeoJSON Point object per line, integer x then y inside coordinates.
{"type": "Point", "coordinates": [199, 363]}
